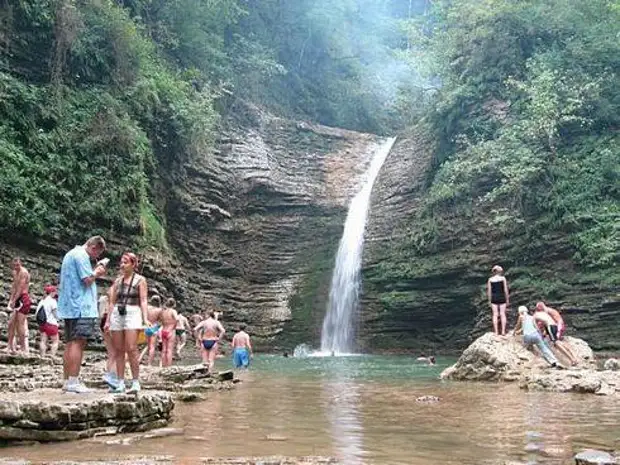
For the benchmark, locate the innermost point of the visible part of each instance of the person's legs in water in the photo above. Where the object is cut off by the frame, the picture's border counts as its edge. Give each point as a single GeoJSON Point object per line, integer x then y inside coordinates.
{"type": "Point", "coordinates": [42, 343]}
{"type": "Point", "coordinates": [241, 357]}
{"type": "Point", "coordinates": [131, 349]}
{"type": "Point", "coordinates": [502, 316]}
{"type": "Point", "coordinates": [495, 310]}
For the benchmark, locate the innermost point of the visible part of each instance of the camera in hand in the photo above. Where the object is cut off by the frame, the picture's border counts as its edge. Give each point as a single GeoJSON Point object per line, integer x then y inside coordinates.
{"type": "Point", "coordinates": [122, 309]}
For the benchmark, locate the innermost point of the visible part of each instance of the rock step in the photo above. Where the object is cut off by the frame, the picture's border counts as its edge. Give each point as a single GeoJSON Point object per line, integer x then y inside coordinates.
{"type": "Point", "coordinates": [51, 415]}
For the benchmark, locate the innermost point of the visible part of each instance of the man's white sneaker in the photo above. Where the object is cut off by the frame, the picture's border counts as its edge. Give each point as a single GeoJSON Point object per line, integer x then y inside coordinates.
{"type": "Point", "coordinates": [77, 388]}
{"type": "Point", "coordinates": [135, 386]}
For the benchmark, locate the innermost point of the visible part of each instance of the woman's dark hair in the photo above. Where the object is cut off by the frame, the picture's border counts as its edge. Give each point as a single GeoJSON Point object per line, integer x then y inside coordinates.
{"type": "Point", "coordinates": [242, 327]}
{"type": "Point", "coordinates": [171, 303]}
{"type": "Point", "coordinates": [155, 300]}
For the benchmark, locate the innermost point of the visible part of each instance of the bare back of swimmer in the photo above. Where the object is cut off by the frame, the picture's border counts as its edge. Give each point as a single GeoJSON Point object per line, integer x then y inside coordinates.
{"type": "Point", "coordinates": [208, 334]}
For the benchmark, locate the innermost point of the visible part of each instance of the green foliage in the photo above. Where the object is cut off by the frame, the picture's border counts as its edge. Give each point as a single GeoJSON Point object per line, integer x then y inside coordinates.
{"type": "Point", "coordinates": [526, 116]}
{"type": "Point", "coordinates": [82, 144]}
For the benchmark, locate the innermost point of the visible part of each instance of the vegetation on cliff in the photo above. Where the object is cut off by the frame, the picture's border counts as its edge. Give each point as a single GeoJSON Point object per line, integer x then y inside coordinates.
{"type": "Point", "coordinates": [527, 118]}
{"type": "Point", "coordinates": [523, 125]}
{"type": "Point", "coordinates": [102, 101]}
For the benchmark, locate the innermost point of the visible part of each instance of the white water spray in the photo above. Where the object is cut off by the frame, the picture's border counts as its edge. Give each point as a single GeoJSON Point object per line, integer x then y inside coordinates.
{"type": "Point", "coordinates": [338, 325]}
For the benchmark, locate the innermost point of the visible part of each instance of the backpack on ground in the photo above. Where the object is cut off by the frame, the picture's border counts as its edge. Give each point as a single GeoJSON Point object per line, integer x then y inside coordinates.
{"type": "Point", "coordinates": [41, 315]}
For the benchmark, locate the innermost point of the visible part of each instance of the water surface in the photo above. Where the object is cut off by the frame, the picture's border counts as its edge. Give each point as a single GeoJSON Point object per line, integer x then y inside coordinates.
{"type": "Point", "coordinates": [363, 409]}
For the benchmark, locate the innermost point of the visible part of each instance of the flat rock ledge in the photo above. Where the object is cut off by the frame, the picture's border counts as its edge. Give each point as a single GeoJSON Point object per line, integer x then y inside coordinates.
{"type": "Point", "coordinates": [596, 457]}
{"type": "Point", "coordinates": [189, 378]}
{"type": "Point", "coordinates": [497, 358]}
{"type": "Point", "coordinates": [47, 415]}
{"type": "Point", "coordinates": [167, 460]}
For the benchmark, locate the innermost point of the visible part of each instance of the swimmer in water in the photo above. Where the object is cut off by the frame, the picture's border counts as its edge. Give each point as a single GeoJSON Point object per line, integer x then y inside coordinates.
{"type": "Point", "coordinates": [208, 334]}
{"type": "Point", "coordinates": [168, 320]}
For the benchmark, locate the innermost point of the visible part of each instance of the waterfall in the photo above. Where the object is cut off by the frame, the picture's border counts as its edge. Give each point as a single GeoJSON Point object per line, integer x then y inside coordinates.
{"type": "Point", "coordinates": [338, 325]}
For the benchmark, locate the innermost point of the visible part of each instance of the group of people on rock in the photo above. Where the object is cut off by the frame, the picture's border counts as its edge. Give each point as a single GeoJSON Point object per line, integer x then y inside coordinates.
{"type": "Point", "coordinates": [124, 315]}
{"type": "Point", "coordinates": [538, 325]}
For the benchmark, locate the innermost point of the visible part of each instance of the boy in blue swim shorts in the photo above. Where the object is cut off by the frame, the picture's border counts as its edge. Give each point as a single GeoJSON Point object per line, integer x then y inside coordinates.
{"type": "Point", "coordinates": [242, 348]}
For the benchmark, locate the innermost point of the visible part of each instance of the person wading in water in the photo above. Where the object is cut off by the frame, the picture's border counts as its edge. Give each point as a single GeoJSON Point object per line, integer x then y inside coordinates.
{"type": "Point", "coordinates": [208, 335]}
{"type": "Point", "coordinates": [499, 299]}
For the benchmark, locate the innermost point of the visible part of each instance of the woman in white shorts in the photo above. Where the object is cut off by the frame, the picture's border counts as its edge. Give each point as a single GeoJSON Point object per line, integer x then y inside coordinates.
{"type": "Point", "coordinates": [127, 313]}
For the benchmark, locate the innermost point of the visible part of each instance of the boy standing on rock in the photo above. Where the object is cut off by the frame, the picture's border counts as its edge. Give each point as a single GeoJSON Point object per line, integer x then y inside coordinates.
{"type": "Point", "coordinates": [19, 305]}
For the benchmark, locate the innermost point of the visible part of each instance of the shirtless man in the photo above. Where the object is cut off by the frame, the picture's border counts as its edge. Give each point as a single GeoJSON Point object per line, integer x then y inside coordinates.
{"type": "Point", "coordinates": [181, 332]}
{"type": "Point", "coordinates": [154, 312]}
{"type": "Point", "coordinates": [556, 331]}
{"type": "Point", "coordinates": [19, 305]}
{"type": "Point", "coordinates": [168, 320]}
{"type": "Point", "coordinates": [242, 348]}
{"type": "Point", "coordinates": [208, 335]}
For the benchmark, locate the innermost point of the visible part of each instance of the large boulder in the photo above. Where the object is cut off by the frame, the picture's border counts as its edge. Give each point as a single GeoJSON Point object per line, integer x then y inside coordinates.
{"type": "Point", "coordinates": [505, 358]}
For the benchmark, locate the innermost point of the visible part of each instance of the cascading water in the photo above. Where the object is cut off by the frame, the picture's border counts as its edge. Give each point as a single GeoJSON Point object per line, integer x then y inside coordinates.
{"type": "Point", "coordinates": [338, 331]}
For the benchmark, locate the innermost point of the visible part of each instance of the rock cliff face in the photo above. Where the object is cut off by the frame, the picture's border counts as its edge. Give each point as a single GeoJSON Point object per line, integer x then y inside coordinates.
{"type": "Point", "coordinates": [424, 279]}
{"type": "Point", "coordinates": [253, 227]}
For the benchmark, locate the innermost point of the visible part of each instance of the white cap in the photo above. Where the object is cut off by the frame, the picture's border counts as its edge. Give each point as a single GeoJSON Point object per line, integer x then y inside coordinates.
{"type": "Point", "coordinates": [522, 309]}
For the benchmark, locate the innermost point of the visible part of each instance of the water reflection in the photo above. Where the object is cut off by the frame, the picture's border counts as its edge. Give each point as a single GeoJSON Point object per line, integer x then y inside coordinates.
{"type": "Point", "coordinates": [341, 399]}
{"type": "Point", "coordinates": [364, 410]}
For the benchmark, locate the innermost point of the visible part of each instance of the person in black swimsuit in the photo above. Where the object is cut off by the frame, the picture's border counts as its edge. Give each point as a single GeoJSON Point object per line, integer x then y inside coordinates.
{"type": "Point", "coordinates": [497, 293]}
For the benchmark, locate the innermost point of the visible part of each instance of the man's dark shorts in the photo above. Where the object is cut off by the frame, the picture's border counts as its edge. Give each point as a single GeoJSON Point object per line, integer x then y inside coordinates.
{"type": "Point", "coordinates": [80, 329]}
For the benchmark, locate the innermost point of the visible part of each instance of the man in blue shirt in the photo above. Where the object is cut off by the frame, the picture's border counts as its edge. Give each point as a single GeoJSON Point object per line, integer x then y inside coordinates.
{"type": "Point", "coordinates": [77, 306]}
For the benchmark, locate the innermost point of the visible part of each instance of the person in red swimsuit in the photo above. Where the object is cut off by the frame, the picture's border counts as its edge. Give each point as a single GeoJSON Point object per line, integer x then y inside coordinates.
{"type": "Point", "coordinates": [49, 329]}
{"type": "Point", "coordinates": [19, 305]}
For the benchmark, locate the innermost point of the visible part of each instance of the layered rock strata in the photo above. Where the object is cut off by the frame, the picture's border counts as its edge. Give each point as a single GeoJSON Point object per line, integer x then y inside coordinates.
{"type": "Point", "coordinates": [496, 358]}
{"type": "Point", "coordinates": [425, 274]}
{"type": "Point", "coordinates": [51, 415]}
{"type": "Point", "coordinates": [252, 227]}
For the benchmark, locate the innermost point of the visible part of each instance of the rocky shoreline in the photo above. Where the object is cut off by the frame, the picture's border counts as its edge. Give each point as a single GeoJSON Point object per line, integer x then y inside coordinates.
{"type": "Point", "coordinates": [505, 359]}
{"type": "Point", "coordinates": [34, 409]}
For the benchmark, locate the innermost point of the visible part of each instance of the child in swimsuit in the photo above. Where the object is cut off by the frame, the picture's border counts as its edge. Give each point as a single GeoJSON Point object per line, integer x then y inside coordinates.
{"type": "Point", "coordinates": [168, 319]}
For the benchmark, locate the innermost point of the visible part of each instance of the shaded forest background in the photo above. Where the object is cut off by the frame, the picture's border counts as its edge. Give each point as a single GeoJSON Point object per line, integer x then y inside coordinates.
{"type": "Point", "coordinates": [100, 98]}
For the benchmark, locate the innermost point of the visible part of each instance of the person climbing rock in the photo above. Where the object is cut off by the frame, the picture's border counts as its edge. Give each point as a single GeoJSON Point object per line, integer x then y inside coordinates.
{"type": "Point", "coordinates": [499, 299]}
{"type": "Point", "coordinates": [555, 328]}
{"type": "Point", "coordinates": [527, 324]}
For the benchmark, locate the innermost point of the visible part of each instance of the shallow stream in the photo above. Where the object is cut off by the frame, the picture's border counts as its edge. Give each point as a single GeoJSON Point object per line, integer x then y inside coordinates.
{"type": "Point", "coordinates": [363, 409]}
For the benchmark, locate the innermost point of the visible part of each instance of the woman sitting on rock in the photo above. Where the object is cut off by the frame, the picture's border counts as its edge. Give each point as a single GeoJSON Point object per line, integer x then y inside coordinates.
{"type": "Point", "coordinates": [127, 315]}
{"type": "Point", "coordinates": [497, 293]}
{"type": "Point", "coordinates": [527, 324]}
